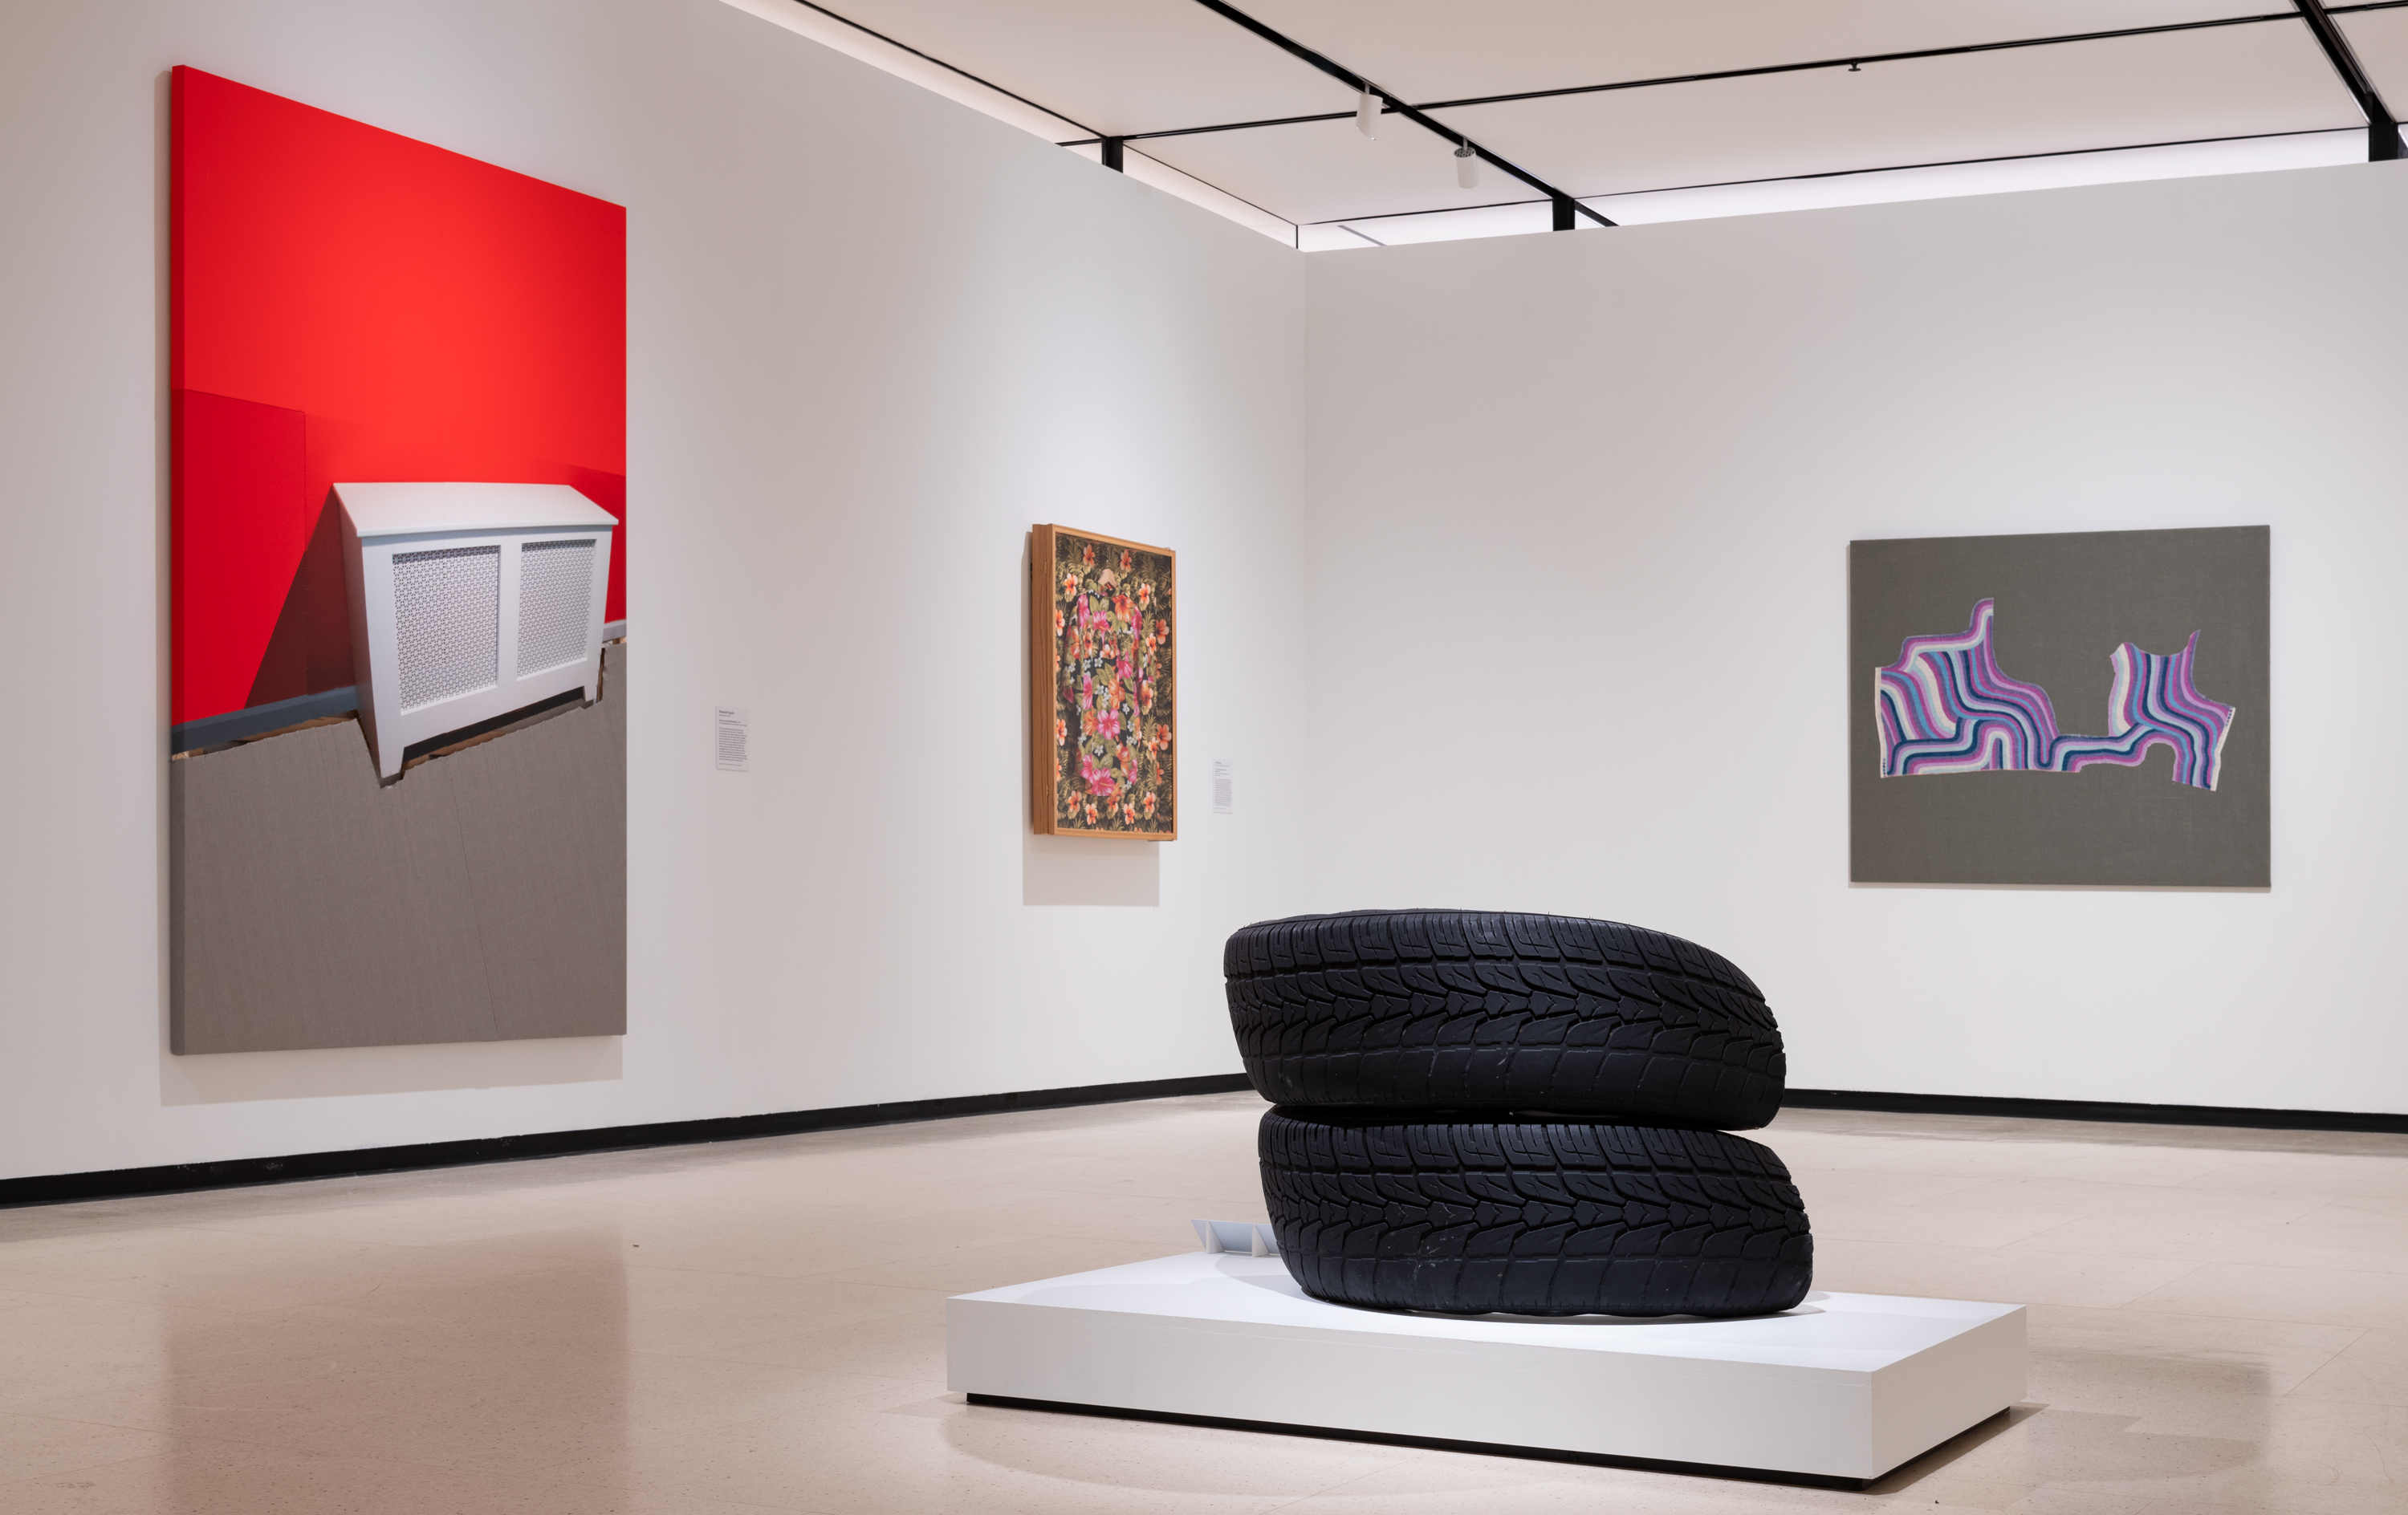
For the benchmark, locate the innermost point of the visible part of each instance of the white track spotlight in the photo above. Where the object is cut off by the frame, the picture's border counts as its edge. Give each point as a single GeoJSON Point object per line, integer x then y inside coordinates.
{"type": "Point", "coordinates": [1366, 112]}
{"type": "Point", "coordinates": [1467, 167]}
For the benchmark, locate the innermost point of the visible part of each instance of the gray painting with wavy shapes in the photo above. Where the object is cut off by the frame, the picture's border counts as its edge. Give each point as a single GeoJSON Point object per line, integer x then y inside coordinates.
{"type": "Point", "coordinates": [2155, 640]}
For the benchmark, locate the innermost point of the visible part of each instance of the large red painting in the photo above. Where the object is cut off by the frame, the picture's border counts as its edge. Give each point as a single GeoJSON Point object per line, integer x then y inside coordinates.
{"type": "Point", "coordinates": [348, 304]}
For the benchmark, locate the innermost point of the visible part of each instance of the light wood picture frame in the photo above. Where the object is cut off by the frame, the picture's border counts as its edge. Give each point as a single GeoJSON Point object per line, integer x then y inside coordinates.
{"type": "Point", "coordinates": [1103, 651]}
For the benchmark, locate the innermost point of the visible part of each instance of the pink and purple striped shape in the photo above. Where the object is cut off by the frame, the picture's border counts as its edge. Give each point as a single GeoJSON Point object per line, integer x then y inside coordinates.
{"type": "Point", "coordinates": [2153, 704]}
{"type": "Point", "coordinates": [1944, 706]}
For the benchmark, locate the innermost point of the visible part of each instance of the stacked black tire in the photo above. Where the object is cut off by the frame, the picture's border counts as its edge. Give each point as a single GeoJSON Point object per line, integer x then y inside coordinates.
{"type": "Point", "coordinates": [1491, 1113]}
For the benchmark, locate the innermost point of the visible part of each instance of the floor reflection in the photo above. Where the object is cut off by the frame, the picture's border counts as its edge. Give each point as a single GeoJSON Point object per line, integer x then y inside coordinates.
{"type": "Point", "coordinates": [2215, 1324]}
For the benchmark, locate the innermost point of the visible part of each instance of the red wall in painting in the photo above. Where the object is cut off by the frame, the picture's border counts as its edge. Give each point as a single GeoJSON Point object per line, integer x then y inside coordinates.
{"type": "Point", "coordinates": [349, 304]}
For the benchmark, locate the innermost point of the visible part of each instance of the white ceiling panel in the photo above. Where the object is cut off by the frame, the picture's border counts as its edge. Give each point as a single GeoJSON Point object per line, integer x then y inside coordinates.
{"type": "Point", "coordinates": [1119, 66]}
{"type": "Point", "coordinates": [2159, 89]}
{"type": "Point", "coordinates": [1126, 67]}
{"type": "Point", "coordinates": [2177, 87]}
{"type": "Point", "coordinates": [1444, 49]}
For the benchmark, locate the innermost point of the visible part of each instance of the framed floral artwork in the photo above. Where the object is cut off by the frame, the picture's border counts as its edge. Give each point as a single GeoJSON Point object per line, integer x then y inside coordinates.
{"type": "Point", "coordinates": [1104, 690]}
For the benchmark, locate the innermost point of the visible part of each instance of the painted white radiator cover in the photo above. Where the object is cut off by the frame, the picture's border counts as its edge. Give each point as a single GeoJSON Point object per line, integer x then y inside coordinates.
{"type": "Point", "coordinates": [468, 601]}
{"type": "Point", "coordinates": [1846, 1386]}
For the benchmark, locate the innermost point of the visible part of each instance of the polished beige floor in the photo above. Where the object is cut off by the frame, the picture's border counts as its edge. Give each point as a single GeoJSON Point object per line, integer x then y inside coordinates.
{"type": "Point", "coordinates": [2219, 1322]}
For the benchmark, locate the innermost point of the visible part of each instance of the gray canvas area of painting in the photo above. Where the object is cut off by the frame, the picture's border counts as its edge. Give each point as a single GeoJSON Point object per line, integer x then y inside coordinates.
{"type": "Point", "coordinates": [2065, 602]}
{"type": "Point", "coordinates": [483, 897]}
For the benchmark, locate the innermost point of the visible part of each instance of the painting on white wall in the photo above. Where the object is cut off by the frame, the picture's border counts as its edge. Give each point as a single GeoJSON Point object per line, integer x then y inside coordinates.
{"type": "Point", "coordinates": [2070, 709]}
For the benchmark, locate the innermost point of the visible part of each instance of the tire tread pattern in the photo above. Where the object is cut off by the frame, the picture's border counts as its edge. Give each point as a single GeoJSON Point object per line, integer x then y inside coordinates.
{"type": "Point", "coordinates": [1555, 1218]}
{"type": "Point", "coordinates": [1500, 1012]}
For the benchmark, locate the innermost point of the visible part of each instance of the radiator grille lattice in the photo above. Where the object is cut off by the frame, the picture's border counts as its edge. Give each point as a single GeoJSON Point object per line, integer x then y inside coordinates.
{"type": "Point", "coordinates": [447, 611]}
{"type": "Point", "coordinates": [555, 596]}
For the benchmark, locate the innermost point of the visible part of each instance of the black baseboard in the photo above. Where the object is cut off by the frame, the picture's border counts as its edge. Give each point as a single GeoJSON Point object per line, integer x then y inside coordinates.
{"type": "Point", "coordinates": [52, 1189]}
{"type": "Point", "coordinates": [2091, 1109]}
{"type": "Point", "coordinates": [1485, 1449]}
{"type": "Point", "coordinates": [59, 1188]}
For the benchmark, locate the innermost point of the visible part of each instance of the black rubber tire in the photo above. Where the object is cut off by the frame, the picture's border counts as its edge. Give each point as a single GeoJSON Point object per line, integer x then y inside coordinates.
{"type": "Point", "coordinates": [1501, 1013]}
{"type": "Point", "coordinates": [1556, 1218]}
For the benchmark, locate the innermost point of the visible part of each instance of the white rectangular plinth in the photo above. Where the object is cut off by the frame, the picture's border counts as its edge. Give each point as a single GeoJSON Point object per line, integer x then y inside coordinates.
{"type": "Point", "coordinates": [1845, 1386]}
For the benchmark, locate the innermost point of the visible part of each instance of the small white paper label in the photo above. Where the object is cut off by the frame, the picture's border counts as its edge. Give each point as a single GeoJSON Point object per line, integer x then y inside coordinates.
{"type": "Point", "coordinates": [1237, 1237]}
{"type": "Point", "coordinates": [1222, 774]}
{"type": "Point", "coordinates": [732, 738]}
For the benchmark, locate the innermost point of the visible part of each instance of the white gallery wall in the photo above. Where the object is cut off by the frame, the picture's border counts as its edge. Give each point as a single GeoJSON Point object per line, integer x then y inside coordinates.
{"type": "Point", "coordinates": [873, 336]}
{"type": "Point", "coordinates": [1579, 524]}
{"type": "Point", "coordinates": [1513, 576]}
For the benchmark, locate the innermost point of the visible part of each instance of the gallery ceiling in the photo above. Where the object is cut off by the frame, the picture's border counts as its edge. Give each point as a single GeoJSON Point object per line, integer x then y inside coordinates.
{"type": "Point", "coordinates": [1618, 104]}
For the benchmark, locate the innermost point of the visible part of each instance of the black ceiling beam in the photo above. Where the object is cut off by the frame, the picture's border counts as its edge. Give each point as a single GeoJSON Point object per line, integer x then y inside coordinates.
{"type": "Point", "coordinates": [1410, 113]}
{"type": "Point", "coordinates": [2382, 127]}
{"type": "Point", "coordinates": [1764, 69]}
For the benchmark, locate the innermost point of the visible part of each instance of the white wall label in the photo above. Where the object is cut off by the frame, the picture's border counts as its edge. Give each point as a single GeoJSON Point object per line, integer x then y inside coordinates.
{"type": "Point", "coordinates": [1222, 774]}
{"type": "Point", "coordinates": [732, 738]}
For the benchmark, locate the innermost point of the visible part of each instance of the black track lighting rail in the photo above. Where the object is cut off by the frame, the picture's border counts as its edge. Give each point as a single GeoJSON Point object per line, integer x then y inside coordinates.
{"type": "Point", "coordinates": [1565, 206]}
{"type": "Point", "coordinates": [2382, 127]}
{"type": "Point", "coordinates": [1856, 61]}
{"type": "Point", "coordinates": [2354, 76]}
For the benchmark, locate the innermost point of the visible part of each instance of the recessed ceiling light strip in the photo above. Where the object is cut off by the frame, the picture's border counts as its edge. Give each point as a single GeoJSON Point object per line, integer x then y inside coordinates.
{"type": "Point", "coordinates": [953, 68]}
{"type": "Point", "coordinates": [1566, 206]}
{"type": "Point", "coordinates": [1352, 222]}
{"type": "Point", "coordinates": [1110, 151]}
